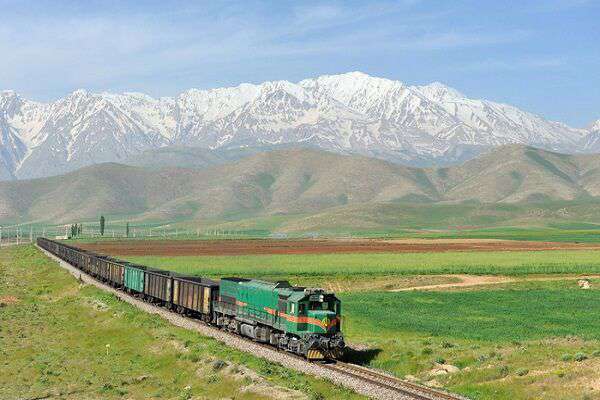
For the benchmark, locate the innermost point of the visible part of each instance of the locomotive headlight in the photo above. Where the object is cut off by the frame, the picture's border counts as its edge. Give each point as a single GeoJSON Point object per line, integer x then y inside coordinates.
{"type": "Point", "coordinates": [321, 298]}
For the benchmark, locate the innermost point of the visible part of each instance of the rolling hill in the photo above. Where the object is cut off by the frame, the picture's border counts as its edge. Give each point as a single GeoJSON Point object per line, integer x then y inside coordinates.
{"type": "Point", "coordinates": [309, 189]}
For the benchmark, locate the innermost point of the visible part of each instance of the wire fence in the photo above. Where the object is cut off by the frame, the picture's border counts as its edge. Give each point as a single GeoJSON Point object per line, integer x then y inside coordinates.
{"type": "Point", "coordinates": [27, 233]}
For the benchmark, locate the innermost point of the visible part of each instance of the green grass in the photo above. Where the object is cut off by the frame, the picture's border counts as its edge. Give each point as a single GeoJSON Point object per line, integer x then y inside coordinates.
{"type": "Point", "coordinates": [59, 339]}
{"type": "Point", "coordinates": [310, 265]}
{"type": "Point", "coordinates": [491, 335]}
{"type": "Point", "coordinates": [558, 232]}
{"type": "Point", "coordinates": [517, 313]}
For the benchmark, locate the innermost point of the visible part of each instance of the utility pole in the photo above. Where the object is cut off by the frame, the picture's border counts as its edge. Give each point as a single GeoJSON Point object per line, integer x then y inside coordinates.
{"type": "Point", "coordinates": [30, 234]}
{"type": "Point", "coordinates": [0, 236]}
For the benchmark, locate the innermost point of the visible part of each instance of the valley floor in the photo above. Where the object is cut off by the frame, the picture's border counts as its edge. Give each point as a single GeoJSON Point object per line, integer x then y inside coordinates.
{"type": "Point", "coordinates": [487, 324]}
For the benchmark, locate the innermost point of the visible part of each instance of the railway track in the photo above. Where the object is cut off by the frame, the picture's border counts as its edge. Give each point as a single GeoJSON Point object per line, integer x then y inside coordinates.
{"type": "Point", "coordinates": [403, 387]}
{"type": "Point", "coordinates": [363, 380]}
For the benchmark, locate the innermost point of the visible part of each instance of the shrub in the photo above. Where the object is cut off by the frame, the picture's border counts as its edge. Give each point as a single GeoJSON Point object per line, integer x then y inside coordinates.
{"type": "Point", "coordinates": [447, 345]}
{"type": "Point", "coordinates": [522, 372]}
{"type": "Point", "coordinates": [317, 396]}
{"type": "Point", "coordinates": [566, 357]}
{"type": "Point", "coordinates": [426, 351]}
{"type": "Point", "coordinates": [193, 357]}
{"type": "Point", "coordinates": [218, 365]}
{"type": "Point", "coordinates": [440, 360]}
{"type": "Point", "coordinates": [580, 357]}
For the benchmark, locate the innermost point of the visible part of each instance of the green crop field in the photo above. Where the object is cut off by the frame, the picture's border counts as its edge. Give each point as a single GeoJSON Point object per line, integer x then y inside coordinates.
{"type": "Point", "coordinates": [517, 341]}
{"type": "Point", "coordinates": [60, 339]}
{"type": "Point", "coordinates": [373, 264]}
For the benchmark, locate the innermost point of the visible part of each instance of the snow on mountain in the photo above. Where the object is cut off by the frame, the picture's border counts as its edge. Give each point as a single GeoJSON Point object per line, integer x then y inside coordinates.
{"type": "Point", "coordinates": [591, 141]}
{"type": "Point", "coordinates": [493, 123]}
{"type": "Point", "coordinates": [281, 112]}
{"type": "Point", "coordinates": [80, 130]}
{"type": "Point", "coordinates": [438, 92]}
{"type": "Point", "coordinates": [348, 113]}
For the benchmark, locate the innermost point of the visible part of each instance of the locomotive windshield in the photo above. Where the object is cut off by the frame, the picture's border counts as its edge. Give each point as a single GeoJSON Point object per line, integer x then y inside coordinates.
{"type": "Point", "coordinates": [317, 305]}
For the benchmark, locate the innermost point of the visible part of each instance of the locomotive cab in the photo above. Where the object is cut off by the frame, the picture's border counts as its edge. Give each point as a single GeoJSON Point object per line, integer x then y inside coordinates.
{"type": "Point", "coordinates": [322, 312]}
{"type": "Point", "coordinates": [319, 316]}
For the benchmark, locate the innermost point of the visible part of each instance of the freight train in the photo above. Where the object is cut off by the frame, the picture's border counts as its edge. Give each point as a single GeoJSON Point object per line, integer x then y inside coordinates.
{"type": "Point", "coordinates": [300, 320]}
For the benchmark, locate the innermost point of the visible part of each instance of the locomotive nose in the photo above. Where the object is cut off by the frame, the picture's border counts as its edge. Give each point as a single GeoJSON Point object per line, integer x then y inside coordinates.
{"type": "Point", "coordinates": [326, 320]}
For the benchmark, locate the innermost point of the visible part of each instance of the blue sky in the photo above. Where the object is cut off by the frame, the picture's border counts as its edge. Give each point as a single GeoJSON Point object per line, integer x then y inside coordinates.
{"type": "Point", "coordinates": [542, 56]}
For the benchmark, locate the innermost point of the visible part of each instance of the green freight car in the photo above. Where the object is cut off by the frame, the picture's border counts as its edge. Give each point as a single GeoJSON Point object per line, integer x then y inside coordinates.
{"type": "Point", "coordinates": [301, 320]}
{"type": "Point", "coordinates": [133, 278]}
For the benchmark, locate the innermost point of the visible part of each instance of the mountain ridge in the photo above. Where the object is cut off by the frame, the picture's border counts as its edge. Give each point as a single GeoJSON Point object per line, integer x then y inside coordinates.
{"type": "Point", "coordinates": [299, 181]}
{"type": "Point", "coordinates": [350, 113]}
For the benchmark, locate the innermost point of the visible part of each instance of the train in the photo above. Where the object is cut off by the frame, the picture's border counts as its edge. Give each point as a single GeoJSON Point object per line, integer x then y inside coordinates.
{"type": "Point", "coordinates": [299, 320]}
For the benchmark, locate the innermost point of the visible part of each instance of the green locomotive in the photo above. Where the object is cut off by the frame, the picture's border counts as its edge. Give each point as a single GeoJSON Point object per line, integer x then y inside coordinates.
{"type": "Point", "coordinates": [300, 320]}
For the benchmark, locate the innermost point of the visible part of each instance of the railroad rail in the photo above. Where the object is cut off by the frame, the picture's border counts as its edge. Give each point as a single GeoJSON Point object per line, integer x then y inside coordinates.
{"type": "Point", "coordinates": [403, 387]}
{"type": "Point", "coordinates": [367, 381]}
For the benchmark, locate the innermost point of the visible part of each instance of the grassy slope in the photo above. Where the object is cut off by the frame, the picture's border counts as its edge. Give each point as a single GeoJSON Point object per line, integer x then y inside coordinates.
{"type": "Point", "coordinates": [309, 190]}
{"type": "Point", "coordinates": [54, 335]}
{"type": "Point", "coordinates": [376, 219]}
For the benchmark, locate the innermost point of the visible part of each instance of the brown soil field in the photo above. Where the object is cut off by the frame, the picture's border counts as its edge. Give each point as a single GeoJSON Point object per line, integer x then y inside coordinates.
{"type": "Point", "coordinates": [309, 246]}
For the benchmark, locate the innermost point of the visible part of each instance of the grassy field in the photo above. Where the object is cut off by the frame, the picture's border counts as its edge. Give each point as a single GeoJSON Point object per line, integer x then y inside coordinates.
{"type": "Point", "coordinates": [373, 264]}
{"type": "Point", "coordinates": [517, 341]}
{"type": "Point", "coordinates": [60, 339]}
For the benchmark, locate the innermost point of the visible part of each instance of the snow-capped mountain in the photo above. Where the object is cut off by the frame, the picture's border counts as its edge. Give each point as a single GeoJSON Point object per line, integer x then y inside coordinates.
{"type": "Point", "coordinates": [348, 113]}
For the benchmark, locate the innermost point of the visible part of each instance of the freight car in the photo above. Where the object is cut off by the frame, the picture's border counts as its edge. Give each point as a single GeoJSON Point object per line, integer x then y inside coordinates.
{"type": "Point", "coordinates": [300, 320]}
